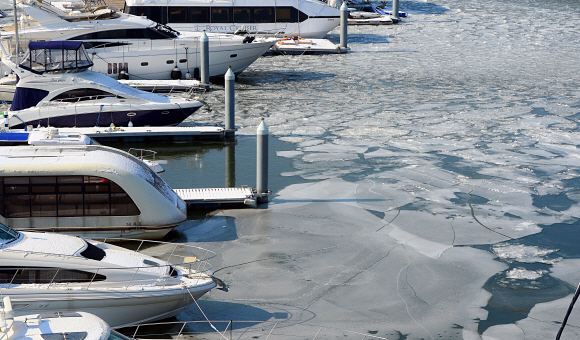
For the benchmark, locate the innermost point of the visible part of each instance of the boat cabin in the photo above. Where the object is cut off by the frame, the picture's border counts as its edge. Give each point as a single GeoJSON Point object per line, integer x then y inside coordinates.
{"type": "Point", "coordinates": [92, 191]}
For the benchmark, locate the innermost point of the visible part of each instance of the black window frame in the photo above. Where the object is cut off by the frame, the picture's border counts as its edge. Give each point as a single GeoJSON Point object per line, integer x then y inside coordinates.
{"type": "Point", "coordinates": [72, 197]}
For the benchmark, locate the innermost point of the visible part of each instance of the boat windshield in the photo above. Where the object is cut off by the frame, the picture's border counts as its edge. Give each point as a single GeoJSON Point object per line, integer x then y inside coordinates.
{"type": "Point", "coordinates": [165, 30]}
{"type": "Point", "coordinates": [7, 235]}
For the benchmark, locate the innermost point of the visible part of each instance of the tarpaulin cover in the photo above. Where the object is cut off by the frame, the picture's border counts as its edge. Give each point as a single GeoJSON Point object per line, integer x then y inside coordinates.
{"type": "Point", "coordinates": [26, 97]}
{"type": "Point", "coordinates": [55, 45]}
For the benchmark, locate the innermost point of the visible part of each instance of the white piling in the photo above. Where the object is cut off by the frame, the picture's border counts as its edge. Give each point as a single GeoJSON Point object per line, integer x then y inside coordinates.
{"type": "Point", "coordinates": [396, 8]}
{"type": "Point", "coordinates": [343, 25]}
{"type": "Point", "coordinates": [230, 82]}
{"type": "Point", "coordinates": [262, 163]}
{"type": "Point", "coordinates": [204, 59]}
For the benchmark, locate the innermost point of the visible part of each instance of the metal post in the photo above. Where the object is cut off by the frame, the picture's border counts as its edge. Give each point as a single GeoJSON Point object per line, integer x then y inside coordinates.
{"type": "Point", "coordinates": [262, 163]}
{"type": "Point", "coordinates": [396, 8]}
{"type": "Point", "coordinates": [204, 59]}
{"type": "Point", "coordinates": [230, 82]}
{"type": "Point", "coordinates": [231, 165]}
{"type": "Point", "coordinates": [16, 31]}
{"type": "Point", "coordinates": [343, 25]}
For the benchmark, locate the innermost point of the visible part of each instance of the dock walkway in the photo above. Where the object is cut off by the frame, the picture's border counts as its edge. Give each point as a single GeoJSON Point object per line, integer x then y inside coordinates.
{"type": "Point", "coordinates": [218, 196]}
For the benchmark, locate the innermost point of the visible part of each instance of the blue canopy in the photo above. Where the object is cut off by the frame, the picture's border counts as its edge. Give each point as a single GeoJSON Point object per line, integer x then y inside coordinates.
{"type": "Point", "coordinates": [56, 56]}
{"type": "Point", "coordinates": [54, 45]}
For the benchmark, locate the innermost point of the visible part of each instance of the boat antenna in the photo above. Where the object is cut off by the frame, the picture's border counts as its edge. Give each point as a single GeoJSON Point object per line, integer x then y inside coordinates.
{"type": "Point", "coordinates": [16, 30]}
{"type": "Point", "coordinates": [568, 312]}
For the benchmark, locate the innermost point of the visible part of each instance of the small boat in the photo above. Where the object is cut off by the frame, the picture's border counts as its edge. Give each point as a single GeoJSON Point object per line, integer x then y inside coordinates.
{"type": "Point", "coordinates": [51, 325]}
{"type": "Point", "coordinates": [88, 190]}
{"type": "Point", "coordinates": [56, 88]}
{"type": "Point", "coordinates": [47, 271]}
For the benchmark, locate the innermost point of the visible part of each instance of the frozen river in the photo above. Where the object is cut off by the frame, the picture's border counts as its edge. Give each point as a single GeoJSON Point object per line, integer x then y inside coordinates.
{"type": "Point", "coordinates": [435, 172]}
{"type": "Point", "coordinates": [425, 184]}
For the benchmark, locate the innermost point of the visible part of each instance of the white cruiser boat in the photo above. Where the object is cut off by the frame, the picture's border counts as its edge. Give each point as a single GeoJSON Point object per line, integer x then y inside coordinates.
{"type": "Point", "coordinates": [304, 18]}
{"type": "Point", "coordinates": [52, 272]}
{"type": "Point", "coordinates": [57, 89]}
{"type": "Point", "coordinates": [139, 47]}
{"type": "Point", "coordinates": [92, 191]}
{"type": "Point", "coordinates": [51, 326]}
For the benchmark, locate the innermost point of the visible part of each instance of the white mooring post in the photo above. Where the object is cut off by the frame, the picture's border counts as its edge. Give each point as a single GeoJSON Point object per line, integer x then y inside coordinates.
{"type": "Point", "coordinates": [204, 59]}
{"type": "Point", "coordinates": [230, 80]}
{"type": "Point", "coordinates": [396, 8]}
{"type": "Point", "coordinates": [262, 163]}
{"type": "Point", "coordinates": [343, 25]}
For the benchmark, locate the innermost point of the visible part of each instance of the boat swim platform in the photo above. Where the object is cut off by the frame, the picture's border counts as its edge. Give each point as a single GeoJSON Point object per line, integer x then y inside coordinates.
{"type": "Point", "coordinates": [289, 46]}
{"type": "Point", "coordinates": [151, 133]}
{"type": "Point", "coordinates": [220, 197]}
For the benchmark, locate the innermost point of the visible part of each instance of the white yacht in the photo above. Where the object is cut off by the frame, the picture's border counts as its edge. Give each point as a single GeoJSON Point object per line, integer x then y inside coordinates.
{"type": "Point", "coordinates": [92, 191]}
{"type": "Point", "coordinates": [52, 272]}
{"type": "Point", "coordinates": [304, 18]}
{"type": "Point", "coordinates": [57, 89]}
{"type": "Point", "coordinates": [137, 46]}
{"type": "Point", "coordinates": [51, 326]}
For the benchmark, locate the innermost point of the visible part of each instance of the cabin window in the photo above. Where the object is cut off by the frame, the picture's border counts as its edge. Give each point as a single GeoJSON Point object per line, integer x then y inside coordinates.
{"type": "Point", "coordinates": [133, 33]}
{"type": "Point", "coordinates": [178, 14]}
{"type": "Point", "coordinates": [7, 234]}
{"type": "Point", "coordinates": [221, 15]}
{"type": "Point", "coordinates": [199, 14]}
{"type": "Point", "coordinates": [40, 275]}
{"type": "Point", "coordinates": [82, 94]}
{"type": "Point", "coordinates": [263, 15]}
{"type": "Point", "coordinates": [242, 15]}
{"type": "Point", "coordinates": [286, 14]}
{"type": "Point", "coordinates": [63, 196]}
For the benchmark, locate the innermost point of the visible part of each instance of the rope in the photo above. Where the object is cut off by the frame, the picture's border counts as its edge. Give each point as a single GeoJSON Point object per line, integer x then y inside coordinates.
{"type": "Point", "coordinates": [205, 316]}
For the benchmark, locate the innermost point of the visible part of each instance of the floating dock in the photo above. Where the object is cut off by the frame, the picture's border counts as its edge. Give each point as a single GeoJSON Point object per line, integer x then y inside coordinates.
{"type": "Point", "coordinates": [150, 133]}
{"type": "Point", "coordinates": [116, 134]}
{"type": "Point", "coordinates": [218, 197]}
{"type": "Point", "coordinates": [299, 46]}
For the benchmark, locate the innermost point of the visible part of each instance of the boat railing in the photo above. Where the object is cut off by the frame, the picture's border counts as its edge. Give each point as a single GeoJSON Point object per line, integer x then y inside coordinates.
{"type": "Point", "coordinates": [193, 261]}
{"type": "Point", "coordinates": [238, 329]}
{"type": "Point", "coordinates": [143, 154]}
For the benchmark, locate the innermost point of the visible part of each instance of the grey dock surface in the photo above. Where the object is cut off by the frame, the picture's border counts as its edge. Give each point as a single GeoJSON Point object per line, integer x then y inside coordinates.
{"type": "Point", "coordinates": [212, 197]}
{"type": "Point", "coordinates": [151, 133]}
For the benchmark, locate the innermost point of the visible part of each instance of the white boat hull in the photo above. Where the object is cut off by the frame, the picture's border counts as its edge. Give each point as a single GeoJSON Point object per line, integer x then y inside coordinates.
{"type": "Point", "coordinates": [116, 307]}
{"type": "Point", "coordinates": [141, 61]}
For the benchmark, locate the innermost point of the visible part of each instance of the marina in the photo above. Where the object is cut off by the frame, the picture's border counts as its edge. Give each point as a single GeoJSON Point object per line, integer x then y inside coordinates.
{"type": "Point", "coordinates": [423, 185]}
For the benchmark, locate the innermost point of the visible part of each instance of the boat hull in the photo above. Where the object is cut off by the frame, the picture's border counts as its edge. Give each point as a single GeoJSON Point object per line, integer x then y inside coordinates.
{"type": "Point", "coordinates": [141, 61]}
{"type": "Point", "coordinates": [68, 116]}
{"type": "Point", "coordinates": [118, 308]}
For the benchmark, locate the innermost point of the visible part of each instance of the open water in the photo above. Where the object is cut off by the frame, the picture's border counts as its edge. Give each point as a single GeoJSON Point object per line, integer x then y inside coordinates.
{"type": "Point", "coordinates": [425, 185]}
